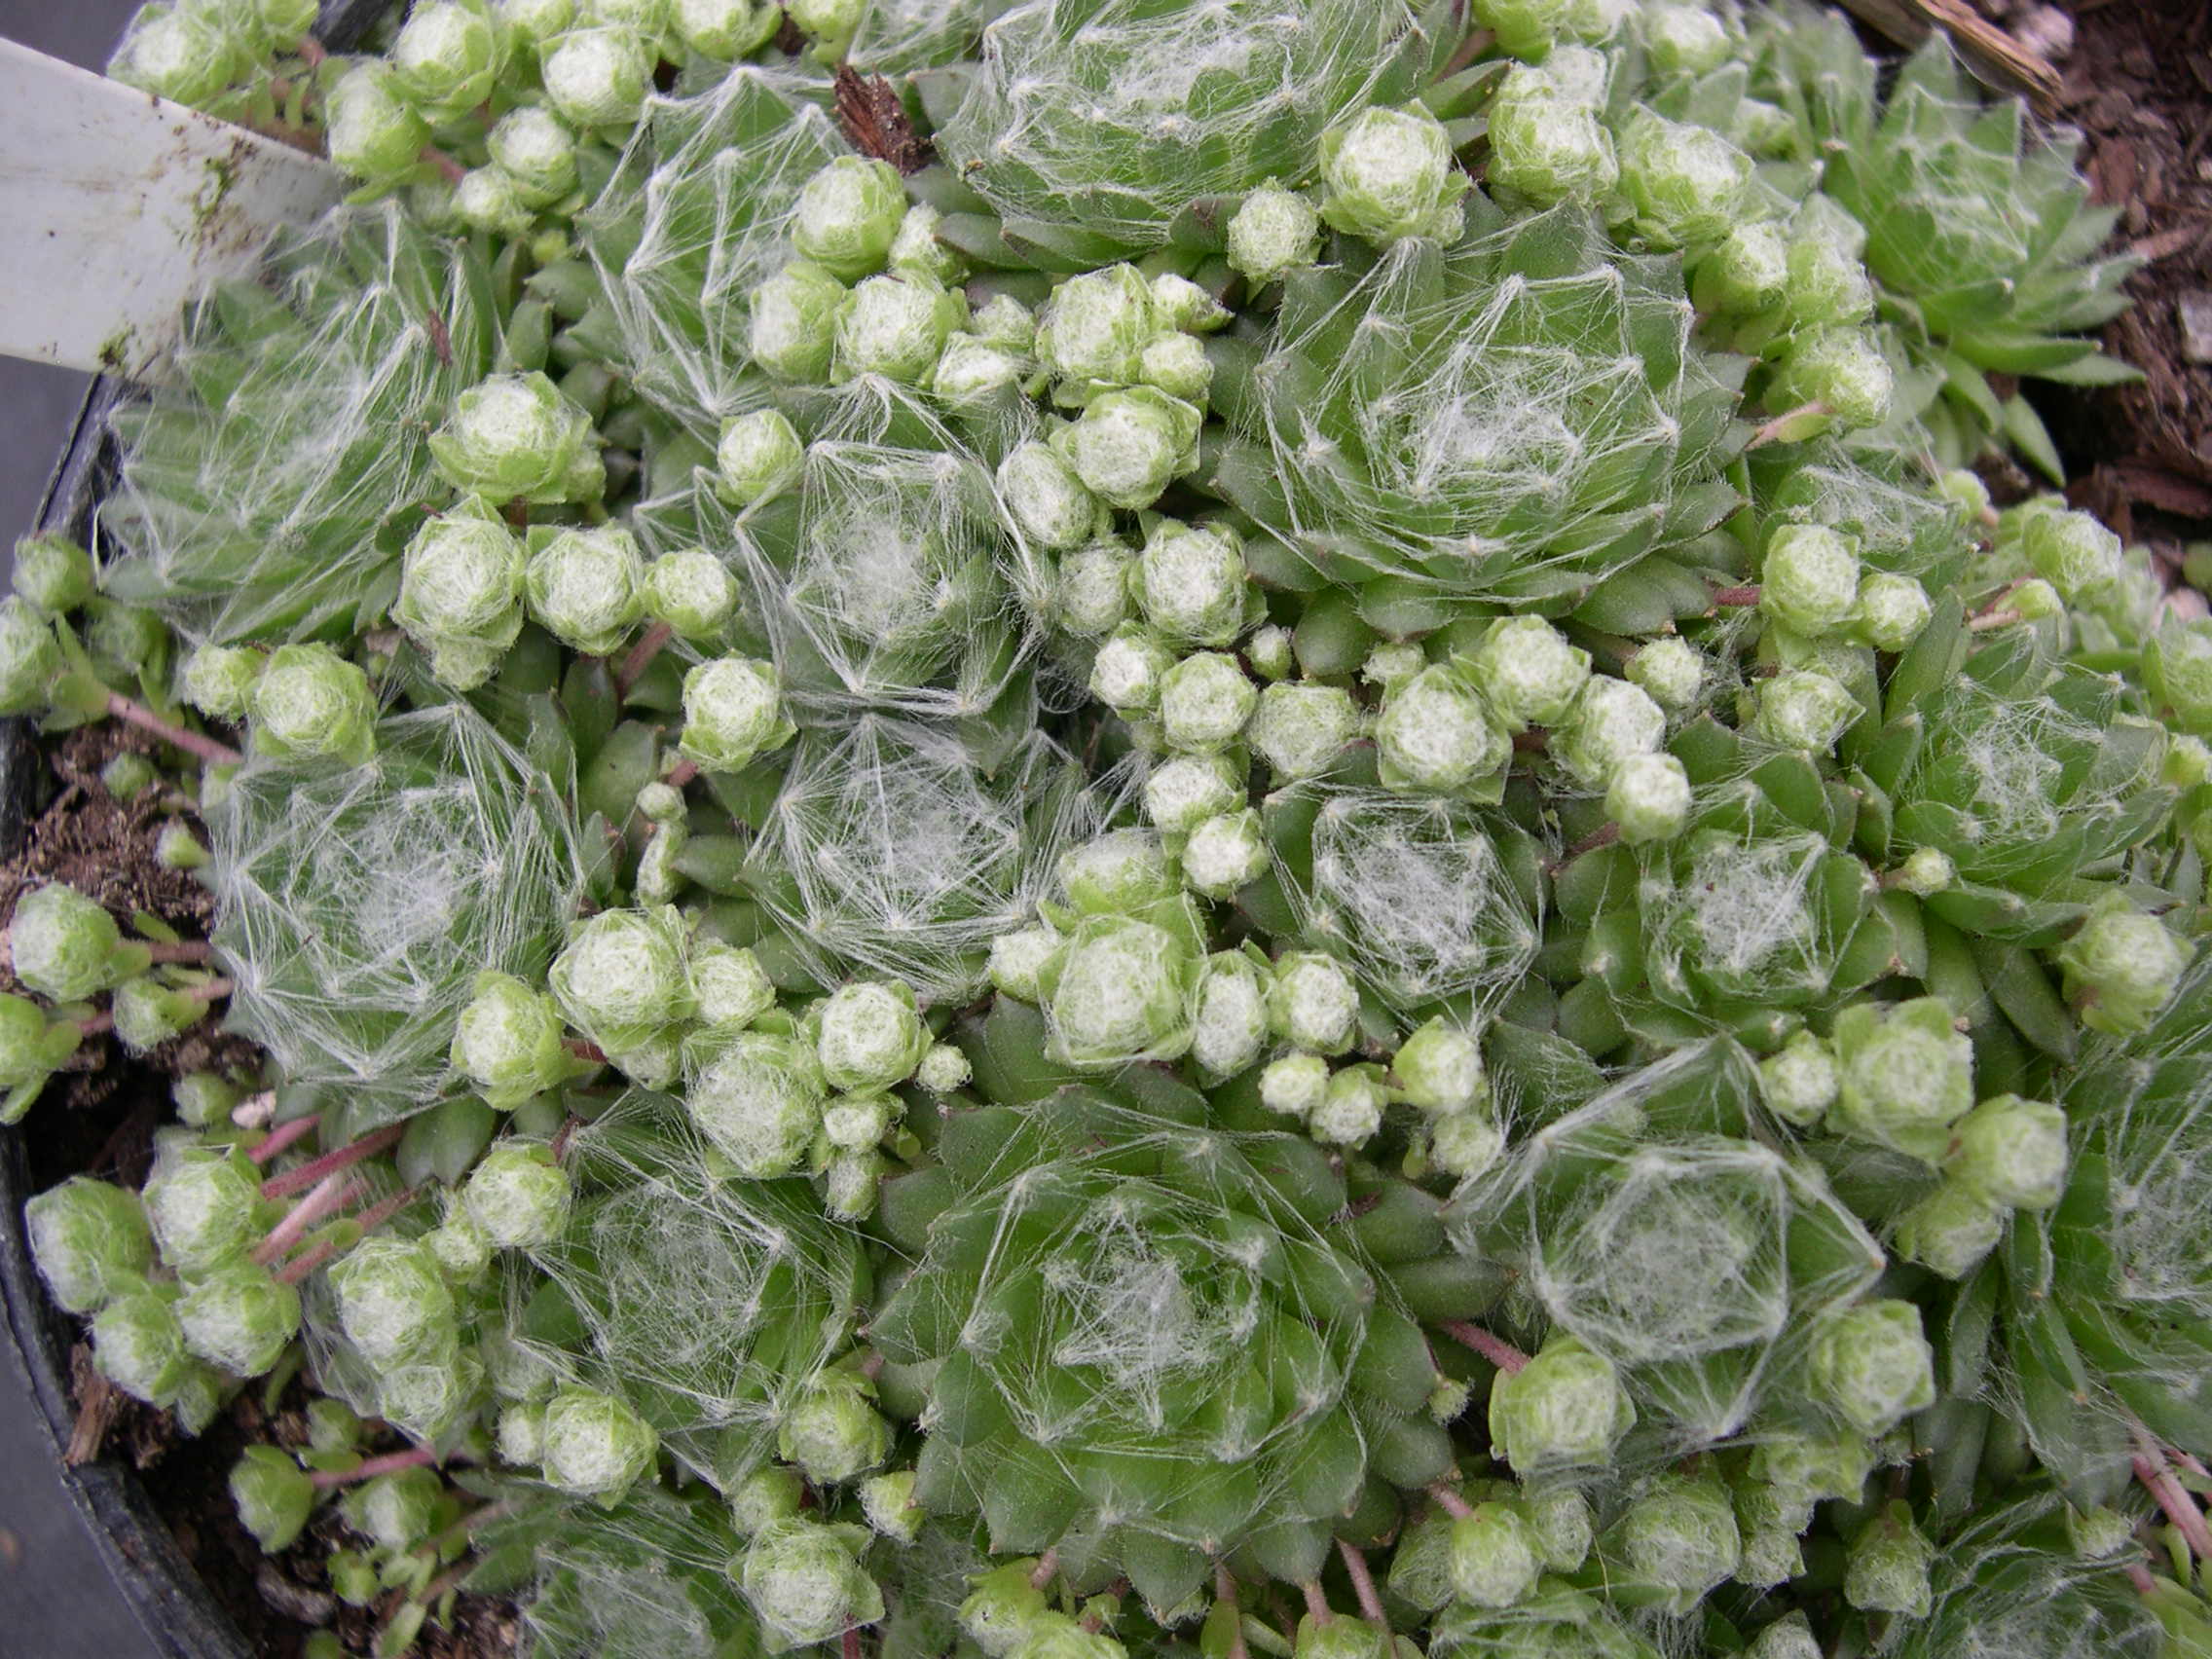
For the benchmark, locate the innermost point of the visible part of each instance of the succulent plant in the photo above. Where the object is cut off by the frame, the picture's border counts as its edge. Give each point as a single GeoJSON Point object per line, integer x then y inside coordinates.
{"type": "Point", "coordinates": [399, 880]}
{"type": "Point", "coordinates": [1173, 1364]}
{"type": "Point", "coordinates": [1217, 828]}
{"type": "Point", "coordinates": [273, 488]}
{"type": "Point", "coordinates": [1534, 421]}
{"type": "Point", "coordinates": [1077, 128]}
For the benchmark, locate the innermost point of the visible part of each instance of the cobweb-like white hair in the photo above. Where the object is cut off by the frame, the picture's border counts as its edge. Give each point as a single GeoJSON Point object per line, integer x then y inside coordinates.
{"type": "Point", "coordinates": [706, 1304]}
{"type": "Point", "coordinates": [1414, 897]}
{"type": "Point", "coordinates": [892, 851]}
{"type": "Point", "coordinates": [1163, 1338]}
{"type": "Point", "coordinates": [647, 1580]}
{"type": "Point", "coordinates": [356, 905]}
{"type": "Point", "coordinates": [1109, 116]}
{"type": "Point", "coordinates": [1897, 523]}
{"type": "Point", "coordinates": [886, 579]}
{"type": "Point", "coordinates": [1696, 1259]}
{"type": "Point", "coordinates": [897, 37]}
{"type": "Point", "coordinates": [1742, 918]}
{"type": "Point", "coordinates": [711, 181]}
{"type": "Point", "coordinates": [2007, 773]}
{"type": "Point", "coordinates": [1513, 418]}
{"type": "Point", "coordinates": [2000, 1595]}
{"type": "Point", "coordinates": [269, 493]}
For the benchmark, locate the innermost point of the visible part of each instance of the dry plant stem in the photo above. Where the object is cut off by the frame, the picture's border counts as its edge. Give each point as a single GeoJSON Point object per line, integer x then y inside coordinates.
{"type": "Point", "coordinates": [176, 736]}
{"type": "Point", "coordinates": [283, 1135]}
{"type": "Point", "coordinates": [641, 656]}
{"type": "Point", "coordinates": [346, 1157]}
{"type": "Point", "coordinates": [2158, 1478]}
{"type": "Point", "coordinates": [586, 1050]}
{"type": "Point", "coordinates": [1992, 619]}
{"type": "Point", "coordinates": [331, 1195]}
{"type": "Point", "coordinates": [1735, 598]}
{"type": "Point", "coordinates": [389, 1463]}
{"type": "Point", "coordinates": [1450, 1501]}
{"type": "Point", "coordinates": [849, 1643]}
{"type": "Point", "coordinates": [1362, 1584]}
{"type": "Point", "coordinates": [1497, 1350]}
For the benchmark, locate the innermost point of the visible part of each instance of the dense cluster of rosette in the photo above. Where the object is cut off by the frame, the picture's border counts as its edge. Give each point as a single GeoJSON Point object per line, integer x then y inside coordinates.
{"type": "Point", "coordinates": [1218, 826]}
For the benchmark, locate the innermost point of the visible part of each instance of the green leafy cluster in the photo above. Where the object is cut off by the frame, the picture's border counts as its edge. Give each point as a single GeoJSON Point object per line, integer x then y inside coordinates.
{"type": "Point", "coordinates": [1219, 829]}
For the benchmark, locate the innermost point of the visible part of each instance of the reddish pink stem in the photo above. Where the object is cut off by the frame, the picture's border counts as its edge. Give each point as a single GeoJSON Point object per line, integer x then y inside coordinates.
{"type": "Point", "coordinates": [385, 1208]}
{"type": "Point", "coordinates": [849, 1644]}
{"type": "Point", "coordinates": [332, 1193]}
{"type": "Point", "coordinates": [311, 50]}
{"type": "Point", "coordinates": [1362, 1584]}
{"type": "Point", "coordinates": [1225, 1590]}
{"type": "Point", "coordinates": [283, 1135]}
{"type": "Point", "coordinates": [308, 1174]}
{"type": "Point", "coordinates": [2139, 1575]}
{"type": "Point", "coordinates": [641, 656]}
{"type": "Point", "coordinates": [176, 736]}
{"type": "Point", "coordinates": [1450, 1501]}
{"type": "Point", "coordinates": [391, 1464]}
{"type": "Point", "coordinates": [682, 773]}
{"type": "Point", "coordinates": [1728, 598]}
{"type": "Point", "coordinates": [2180, 1508]}
{"type": "Point", "coordinates": [368, 1221]}
{"type": "Point", "coordinates": [1497, 1350]}
{"type": "Point", "coordinates": [1771, 431]}
{"type": "Point", "coordinates": [451, 170]}
{"type": "Point", "coordinates": [306, 1261]}
{"type": "Point", "coordinates": [188, 950]}
{"type": "Point", "coordinates": [586, 1050]}
{"type": "Point", "coordinates": [1317, 1604]}
{"type": "Point", "coordinates": [1048, 1566]}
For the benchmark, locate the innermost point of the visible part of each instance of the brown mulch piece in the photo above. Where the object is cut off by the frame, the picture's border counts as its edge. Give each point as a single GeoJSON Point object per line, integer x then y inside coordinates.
{"type": "Point", "coordinates": [876, 122]}
{"type": "Point", "coordinates": [2138, 83]}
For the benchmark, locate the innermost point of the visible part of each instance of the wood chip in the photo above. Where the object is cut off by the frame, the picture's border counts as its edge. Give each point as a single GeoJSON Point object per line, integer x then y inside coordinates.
{"type": "Point", "coordinates": [2195, 311]}
{"type": "Point", "coordinates": [876, 122]}
{"type": "Point", "coordinates": [96, 1406]}
{"type": "Point", "coordinates": [1987, 49]}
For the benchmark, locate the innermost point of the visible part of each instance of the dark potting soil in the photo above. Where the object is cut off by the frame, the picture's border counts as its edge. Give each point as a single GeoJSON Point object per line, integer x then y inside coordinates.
{"type": "Point", "coordinates": [2138, 83]}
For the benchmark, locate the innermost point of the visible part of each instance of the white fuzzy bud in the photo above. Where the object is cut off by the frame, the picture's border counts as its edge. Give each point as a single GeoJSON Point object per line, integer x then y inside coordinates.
{"type": "Point", "coordinates": [1205, 702]}
{"type": "Point", "coordinates": [1226, 853]}
{"type": "Point", "coordinates": [1272, 230]}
